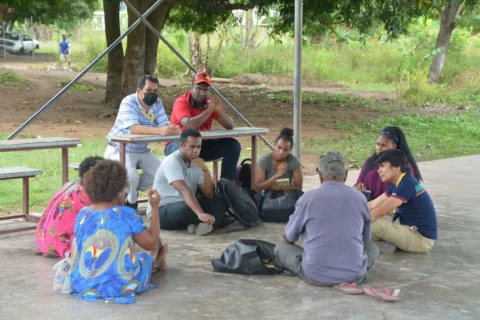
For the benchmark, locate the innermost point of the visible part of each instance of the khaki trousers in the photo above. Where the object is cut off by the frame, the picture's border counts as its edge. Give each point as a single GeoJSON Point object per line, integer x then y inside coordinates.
{"type": "Point", "coordinates": [404, 237]}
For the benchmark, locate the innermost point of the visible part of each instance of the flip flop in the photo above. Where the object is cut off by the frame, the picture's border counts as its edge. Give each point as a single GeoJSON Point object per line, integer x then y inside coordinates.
{"type": "Point", "coordinates": [383, 293]}
{"type": "Point", "coordinates": [349, 288]}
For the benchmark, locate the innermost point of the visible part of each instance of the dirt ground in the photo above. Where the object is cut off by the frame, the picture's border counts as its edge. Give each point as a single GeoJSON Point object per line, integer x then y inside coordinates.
{"type": "Point", "coordinates": [83, 115]}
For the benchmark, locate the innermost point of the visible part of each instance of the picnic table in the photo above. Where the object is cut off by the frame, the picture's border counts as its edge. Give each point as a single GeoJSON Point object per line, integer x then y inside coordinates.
{"type": "Point", "coordinates": [206, 135]}
{"type": "Point", "coordinates": [27, 173]}
{"type": "Point", "coordinates": [43, 143]}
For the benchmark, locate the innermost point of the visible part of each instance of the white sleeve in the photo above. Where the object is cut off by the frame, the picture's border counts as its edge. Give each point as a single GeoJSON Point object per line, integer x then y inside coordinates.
{"type": "Point", "coordinates": [173, 171]}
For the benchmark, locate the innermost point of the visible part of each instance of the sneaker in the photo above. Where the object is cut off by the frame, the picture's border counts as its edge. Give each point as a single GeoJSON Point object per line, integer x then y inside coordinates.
{"type": "Point", "coordinates": [134, 206]}
{"type": "Point", "coordinates": [386, 247]}
{"type": "Point", "coordinates": [200, 229]}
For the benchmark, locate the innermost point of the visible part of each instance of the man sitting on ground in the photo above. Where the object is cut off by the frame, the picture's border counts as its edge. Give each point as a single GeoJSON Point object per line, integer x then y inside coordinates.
{"type": "Point", "coordinates": [177, 180]}
{"type": "Point", "coordinates": [413, 227]}
{"type": "Point", "coordinates": [196, 110]}
{"type": "Point", "coordinates": [140, 113]}
{"type": "Point", "coordinates": [334, 223]}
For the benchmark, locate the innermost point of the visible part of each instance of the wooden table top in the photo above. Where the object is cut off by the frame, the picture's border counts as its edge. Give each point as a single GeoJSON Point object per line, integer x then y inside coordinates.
{"type": "Point", "coordinates": [211, 134]}
{"type": "Point", "coordinates": [41, 143]}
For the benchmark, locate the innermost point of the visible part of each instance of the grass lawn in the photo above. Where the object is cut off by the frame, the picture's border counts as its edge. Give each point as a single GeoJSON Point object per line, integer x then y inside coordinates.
{"type": "Point", "coordinates": [429, 138]}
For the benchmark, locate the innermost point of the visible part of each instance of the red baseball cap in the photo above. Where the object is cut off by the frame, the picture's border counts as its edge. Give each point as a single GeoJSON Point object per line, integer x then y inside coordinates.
{"type": "Point", "coordinates": [202, 77]}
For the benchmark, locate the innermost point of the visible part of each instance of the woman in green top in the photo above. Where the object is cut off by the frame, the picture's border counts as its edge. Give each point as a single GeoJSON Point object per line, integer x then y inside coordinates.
{"type": "Point", "coordinates": [279, 164]}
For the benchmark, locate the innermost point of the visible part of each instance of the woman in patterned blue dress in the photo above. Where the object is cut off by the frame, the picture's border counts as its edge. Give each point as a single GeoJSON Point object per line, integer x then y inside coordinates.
{"type": "Point", "coordinates": [106, 266]}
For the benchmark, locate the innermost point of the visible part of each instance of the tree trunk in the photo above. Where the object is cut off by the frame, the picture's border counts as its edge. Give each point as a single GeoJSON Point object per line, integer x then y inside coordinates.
{"type": "Point", "coordinates": [195, 51]}
{"type": "Point", "coordinates": [248, 29]}
{"type": "Point", "coordinates": [134, 65]}
{"type": "Point", "coordinates": [190, 43]}
{"type": "Point", "coordinates": [447, 25]}
{"type": "Point", "coordinates": [242, 16]}
{"type": "Point", "coordinates": [114, 93]}
{"type": "Point", "coordinates": [221, 37]}
{"type": "Point", "coordinates": [43, 32]}
{"type": "Point", "coordinates": [157, 19]}
{"type": "Point", "coordinates": [142, 44]}
{"type": "Point", "coordinates": [10, 25]}
{"type": "Point", "coordinates": [206, 56]}
{"type": "Point", "coordinates": [3, 13]}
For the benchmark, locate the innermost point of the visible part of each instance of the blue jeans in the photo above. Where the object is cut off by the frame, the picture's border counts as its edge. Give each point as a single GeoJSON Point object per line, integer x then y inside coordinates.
{"type": "Point", "coordinates": [226, 148]}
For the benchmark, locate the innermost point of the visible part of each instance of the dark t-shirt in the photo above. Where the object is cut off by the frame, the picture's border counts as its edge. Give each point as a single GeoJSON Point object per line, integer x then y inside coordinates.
{"type": "Point", "coordinates": [417, 208]}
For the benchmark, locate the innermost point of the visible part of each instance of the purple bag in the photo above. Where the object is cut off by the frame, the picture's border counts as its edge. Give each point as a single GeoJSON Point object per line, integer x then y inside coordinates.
{"type": "Point", "coordinates": [243, 176]}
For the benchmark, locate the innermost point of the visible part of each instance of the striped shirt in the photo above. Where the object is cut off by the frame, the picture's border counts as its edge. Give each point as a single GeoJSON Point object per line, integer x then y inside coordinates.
{"type": "Point", "coordinates": [130, 113]}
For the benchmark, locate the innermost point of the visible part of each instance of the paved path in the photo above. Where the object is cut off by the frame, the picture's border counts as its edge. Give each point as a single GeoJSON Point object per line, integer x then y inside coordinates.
{"type": "Point", "coordinates": [440, 285]}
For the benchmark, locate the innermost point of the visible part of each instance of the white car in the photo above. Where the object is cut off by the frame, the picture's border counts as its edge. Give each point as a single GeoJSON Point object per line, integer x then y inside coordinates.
{"type": "Point", "coordinates": [18, 43]}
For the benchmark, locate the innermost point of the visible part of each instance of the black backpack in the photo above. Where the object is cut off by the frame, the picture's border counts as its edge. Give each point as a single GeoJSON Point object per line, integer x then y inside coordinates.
{"type": "Point", "coordinates": [247, 256]}
{"type": "Point", "coordinates": [243, 176]}
{"type": "Point", "coordinates": [241, 205]}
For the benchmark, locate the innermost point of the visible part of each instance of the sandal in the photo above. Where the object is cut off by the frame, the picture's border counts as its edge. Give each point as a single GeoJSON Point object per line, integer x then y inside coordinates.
{"type": "Point", "coordinates": [349, 288]}
{"type": "Point", "coordinates": [383, 293]}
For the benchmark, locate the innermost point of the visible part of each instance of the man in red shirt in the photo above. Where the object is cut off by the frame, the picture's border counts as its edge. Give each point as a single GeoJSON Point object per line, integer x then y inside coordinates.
{"type": "Point", "coordinates": [196, 110]}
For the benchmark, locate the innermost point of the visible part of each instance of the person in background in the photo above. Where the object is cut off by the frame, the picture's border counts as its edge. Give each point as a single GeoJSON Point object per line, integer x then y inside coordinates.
{"type": "Point", "coordinates": [196, 110]}
{"type": "Point", "coordinates": [177, 180]}
{"type": "Point", "coordinates": [55, 229]}
{"type": "Point", "coordinates": [279, 164]}
{"type": "Point", "coordinates": [140, 113]}
{"type": "Point", "coordinates": [390, 138]}
{"type": "Point", "coordinates": [334, 223]}
{"type": "Point", "coordinates": [413, 227]}
{"type": "Point", "coordinates": [65, 49]}
{"type": "Point", "coordinates": [106, 266]}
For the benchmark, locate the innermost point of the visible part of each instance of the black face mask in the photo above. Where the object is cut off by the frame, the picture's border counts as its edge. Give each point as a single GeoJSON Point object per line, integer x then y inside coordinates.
{"type": "Point", "coordinates": [150, 98]}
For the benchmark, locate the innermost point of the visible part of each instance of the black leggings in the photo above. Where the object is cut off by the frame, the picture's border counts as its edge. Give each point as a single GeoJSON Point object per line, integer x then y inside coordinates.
{"type": "Point", "coordinates": [178, 215]}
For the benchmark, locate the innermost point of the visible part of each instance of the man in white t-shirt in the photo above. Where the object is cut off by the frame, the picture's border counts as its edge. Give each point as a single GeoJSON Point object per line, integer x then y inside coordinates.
{"type": "Point", "coordinates": [177, 180]}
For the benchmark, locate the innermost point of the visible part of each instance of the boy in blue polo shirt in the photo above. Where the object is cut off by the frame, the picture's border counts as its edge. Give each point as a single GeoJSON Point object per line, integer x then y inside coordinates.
{"type": "Point", "coordinates": [65, 49]}
{"type": "Point", "coordinates": [413, 226]}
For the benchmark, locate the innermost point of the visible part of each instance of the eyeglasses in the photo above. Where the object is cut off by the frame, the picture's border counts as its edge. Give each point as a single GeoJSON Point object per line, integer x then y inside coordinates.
{"type": "Point", "coordinates": [200, 89]}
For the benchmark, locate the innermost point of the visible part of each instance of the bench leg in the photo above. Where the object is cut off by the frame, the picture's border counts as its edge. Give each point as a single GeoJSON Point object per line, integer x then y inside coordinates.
{"type": "Point", "coordinates": [254, 159]}
{"type": "Point", "coordinates": [215, 171]}
{"type": "Point", "coordinates": [64, 165]}
{"type": "Point", "coordinates": [25, 195]}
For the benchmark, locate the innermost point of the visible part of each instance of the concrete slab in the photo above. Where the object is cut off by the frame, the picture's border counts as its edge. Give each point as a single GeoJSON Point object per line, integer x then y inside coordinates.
{"type": "Point", "coordinates": [439, 285]}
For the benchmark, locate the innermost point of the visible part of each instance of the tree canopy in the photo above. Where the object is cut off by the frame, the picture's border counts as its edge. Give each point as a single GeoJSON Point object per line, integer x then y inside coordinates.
{"type": "Point", "coordinates": [67, 13]}
{"type": "Point", "coordinates": [204, 16]}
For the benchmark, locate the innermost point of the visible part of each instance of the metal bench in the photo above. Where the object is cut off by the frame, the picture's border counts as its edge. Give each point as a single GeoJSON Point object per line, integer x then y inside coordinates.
{"type": "Point", "coordinates": [24, 173]}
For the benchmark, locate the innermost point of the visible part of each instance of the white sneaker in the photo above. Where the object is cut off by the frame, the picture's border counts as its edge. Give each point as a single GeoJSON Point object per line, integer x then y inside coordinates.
{"type": "Point", "coordinates": [200, 229]}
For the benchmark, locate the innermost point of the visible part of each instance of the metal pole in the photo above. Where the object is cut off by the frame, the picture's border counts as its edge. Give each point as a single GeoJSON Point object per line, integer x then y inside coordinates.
{"type": "Point", "coordinates": [297, 93]}
{"type": "Point", "coordinates": [58, 40]}
{"type": "Point", "coordinates": [81, 40]}
{"type": "Point", "coordinates": [81, 74]}
{"type": "Point", "coordinates": [157, 33]}
{"type": "Point", "coordinates": [33, 38]}
{"type": "Point", "coordinates": [3, 34]}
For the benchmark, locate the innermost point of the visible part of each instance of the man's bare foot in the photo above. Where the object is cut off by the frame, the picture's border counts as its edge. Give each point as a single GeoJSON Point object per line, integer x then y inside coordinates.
{"type": "Point", "coordinates": [160, 262]}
